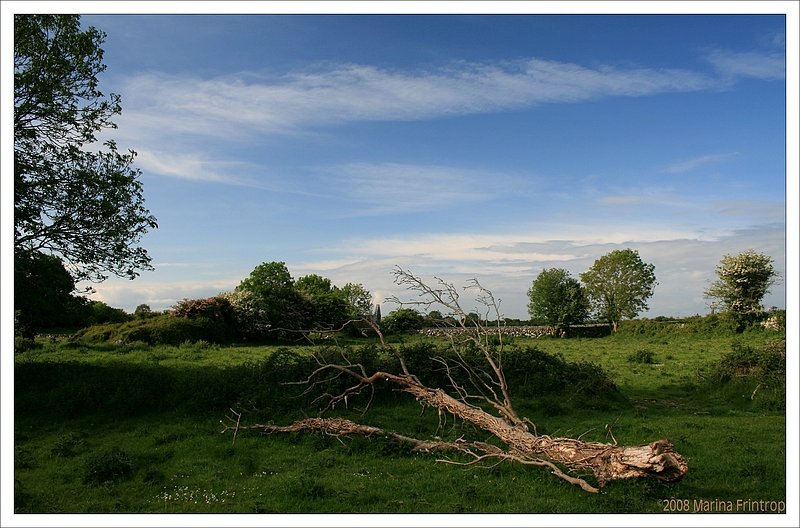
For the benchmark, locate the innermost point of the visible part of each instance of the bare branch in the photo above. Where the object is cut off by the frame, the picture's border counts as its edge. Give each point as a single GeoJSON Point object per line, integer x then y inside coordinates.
{"type": "Point", "coordinates": [476, 392]}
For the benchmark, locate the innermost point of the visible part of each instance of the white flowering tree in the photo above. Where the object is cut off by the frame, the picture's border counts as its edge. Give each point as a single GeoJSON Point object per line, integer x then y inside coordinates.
{"type": "Point", "coordinates": [744, 280]}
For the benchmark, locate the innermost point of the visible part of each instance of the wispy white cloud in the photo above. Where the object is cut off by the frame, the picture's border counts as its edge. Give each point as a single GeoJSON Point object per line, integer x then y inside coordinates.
{"type": "Point", "coordinates": [689, 165]}
{"type": "Point", "coordinates": [504, 262]}
{"type": "Point", "coordinates": [381, 188]}
{"type": "Point", "coordinates": [621, 200]}
{"type": "Point", "coordinates": [192, 166]}
{"type": "Point", "coordinates": [557, 244]}
{"type": "Point", "coordinates": [758, 210]}
{"type": "Point", "coordinates": [189, 166]}
{"type": "Point", "coordinates": [731, 64]}
{"type": "Point", "coordinates": [236, 106]}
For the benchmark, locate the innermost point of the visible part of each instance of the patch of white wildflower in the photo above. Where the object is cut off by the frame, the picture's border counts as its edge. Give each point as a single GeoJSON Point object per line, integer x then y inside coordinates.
{"type": "Point", "coordinates": [187, 495]}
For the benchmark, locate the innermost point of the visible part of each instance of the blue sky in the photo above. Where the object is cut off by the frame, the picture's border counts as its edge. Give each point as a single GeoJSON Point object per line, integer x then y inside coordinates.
{"type": "Point", "coordinates": [487, 146]}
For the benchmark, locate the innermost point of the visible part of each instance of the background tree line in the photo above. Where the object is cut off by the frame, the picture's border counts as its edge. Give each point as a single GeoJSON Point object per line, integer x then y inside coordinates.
{"type": "Point", "coordinates": [619, 284]}
{"type": "Point", "coordinates": [79, 215]}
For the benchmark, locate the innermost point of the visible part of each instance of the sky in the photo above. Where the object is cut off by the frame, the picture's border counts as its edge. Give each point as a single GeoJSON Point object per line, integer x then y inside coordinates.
{"type": "Point", "coordinates": [455, 146]}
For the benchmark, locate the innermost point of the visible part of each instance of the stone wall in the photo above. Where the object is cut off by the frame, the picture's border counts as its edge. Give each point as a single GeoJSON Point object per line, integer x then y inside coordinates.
{"type": "Point", "coordinates": [600, 330]}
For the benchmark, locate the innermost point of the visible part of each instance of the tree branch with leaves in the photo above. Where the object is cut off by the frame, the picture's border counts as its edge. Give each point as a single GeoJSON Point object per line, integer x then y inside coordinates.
{"type": "Point", "coordinates": [73, 197]}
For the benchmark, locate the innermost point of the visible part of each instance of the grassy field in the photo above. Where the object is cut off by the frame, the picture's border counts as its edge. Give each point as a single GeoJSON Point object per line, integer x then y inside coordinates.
{"type": "Point", "coordinates": [134, 428]}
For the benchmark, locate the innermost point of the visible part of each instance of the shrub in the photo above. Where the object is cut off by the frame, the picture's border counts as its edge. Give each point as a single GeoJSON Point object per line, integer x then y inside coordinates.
{"type": "Point", "coordinates": [107, 466]}
{"type": "Point", "coordinates": [67, 445]}
{"type": "Point", "coordinates": [402, 321]}
{"type": "Point", "coordinates": [753, 377]}
{"type": "Point", "coordinates": [24, 344]}
{"type": "Point", "coordinates": [532, 372]}
{"type": "Point", "coordinates": [642, 356]}
{"type": "Point", "coordinates": [767, 363]}
{"type": "Point", "coordinates": [98, 312]}
{"type": "Point", "coordinates": [157, 330]}
{"type": "Point", "coordinates": [211, 308]}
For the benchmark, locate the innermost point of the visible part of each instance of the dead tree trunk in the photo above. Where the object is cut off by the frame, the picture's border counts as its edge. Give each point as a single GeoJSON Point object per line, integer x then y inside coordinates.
{"type": "Point", "coordinates": [486, 405]}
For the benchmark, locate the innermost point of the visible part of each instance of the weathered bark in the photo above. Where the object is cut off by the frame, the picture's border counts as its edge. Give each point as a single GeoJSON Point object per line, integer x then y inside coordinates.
{"type": "Point", "coordinates": [488, 388]}
{"type": "Point", "coordinates": [477, 451]}
{"type": "Point", "coordinates": [606, 461]}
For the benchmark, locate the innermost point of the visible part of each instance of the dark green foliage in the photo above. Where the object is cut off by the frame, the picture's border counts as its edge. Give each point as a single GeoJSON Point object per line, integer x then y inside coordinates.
{"type": "Point", "coordinates": [24, 344]}
{"type": "Point", "coordinates": [110, 465]}
{"type": "Point", "coordinates": [68, 445]}
{"type": "Point", "coordinates": [708, 325]}
{"type": "Point", "coordinates": [269, 386]}
{"type": "Point", "coordinates": [558, 300]}
{"type": "Point", "coordinates": [157, 330]}
{"type": "Point", "coordinates": [642, 356]}
{"type": "Point", "coordinates": [766, 364]}
{"type": "Point", "coordinates": [402, 321]}
{"type": "Point", "coordinates": [73, 197]}
{"type": "Point", "coordinates": [532, 373]}
{"type": "Point", "coordinates": [279, 306]}
{"type": "Point", "coordinates": [619, 285]}
{"type": "Point", "coordinates": [143, 310]}
{"type": "Point", "coordinates": [753, 377]}
{"type": "Point", "coordinates": [98, 312]}
{"type": "Point", "coordinates": [43, 294]}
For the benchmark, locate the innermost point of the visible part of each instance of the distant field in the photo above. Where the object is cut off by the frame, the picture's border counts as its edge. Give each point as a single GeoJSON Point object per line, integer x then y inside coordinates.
{"type": "Point", "coordinates": [134, 428]}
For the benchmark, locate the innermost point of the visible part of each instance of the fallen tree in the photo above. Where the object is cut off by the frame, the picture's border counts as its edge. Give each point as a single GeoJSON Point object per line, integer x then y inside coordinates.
{"type": "Point", "coordinates": [477, 394]}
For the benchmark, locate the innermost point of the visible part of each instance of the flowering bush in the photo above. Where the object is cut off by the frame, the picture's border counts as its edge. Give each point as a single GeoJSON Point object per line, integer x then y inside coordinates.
{"type": "Point", "coordinates": [250, 316]}
{"type": "Point", "coordinates": [744, 280]}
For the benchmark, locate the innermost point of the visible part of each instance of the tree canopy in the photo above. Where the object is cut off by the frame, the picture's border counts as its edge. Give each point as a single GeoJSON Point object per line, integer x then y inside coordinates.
{"type": "Point", "coordinates": [618, 285]}
{"type": "Point", "coordinates": [744, 280]}
{"type": "Point", "coordinates": [557, 299]}
{"type": "Point", "coordinates": [73, 197]}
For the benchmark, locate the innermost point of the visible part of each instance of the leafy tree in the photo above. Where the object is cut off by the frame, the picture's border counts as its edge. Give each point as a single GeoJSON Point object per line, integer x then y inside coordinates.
{"type": "Point", "coordinates": [327, 305]}
{"type": "Point", "coordinates": [143, 311]}
{"type": "Point", "coordinates": [73, 197]}
{"type": "Point", "coordinates": [402, 321]}
{"type": "Point", "coordinates": [359, 314]}
{"type": "Point", "coordinates": [98, 312]}
{"type": "Point", "coordinates": [268, 278]}
{"type": "Point", "coordinates": [43, 294]}
{"type": "Point", "coordinates": [618, 285]}
{"type": "Point", "coordinates": [314, 284]}
{"type": "Point", "coordinates": [558, 300]}
{"type": "Point", "coordinates": [250, 317]}
{"type": "Point", "coordinates": [436, 318]}
{"type": "Point", "coordinates": [282, 307]}
{"type": "Point", "coordinates": [744, 280]}
{"type": "Point", "coordinates": [358, 299]}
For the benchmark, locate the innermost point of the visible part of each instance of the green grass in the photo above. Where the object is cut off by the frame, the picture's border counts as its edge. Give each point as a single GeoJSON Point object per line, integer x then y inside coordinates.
{"type": "Point", "coordinates": [146, 419]}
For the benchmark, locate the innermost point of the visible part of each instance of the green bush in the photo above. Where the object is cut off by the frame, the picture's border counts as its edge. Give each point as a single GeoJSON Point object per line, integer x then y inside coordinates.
{"type": "Point", "coordinates": [754, 378]}
{"type": "Point", "coordinates": [157, 330]}
{"type": "Point", "coordinates": [402, 321]}
{"type": "Point", "coordinates": [531, 372]}
{"type": "Point", "coordinates": [713, 324]}
{"type": "Point", "coordinates": [642, 356]}
{"type": "Point", "coordinates": [767, 363]}
{"type": "Point", "coordinates": [24, 344]}
{"type": "Point", "coordinates": [67, 445]}
{"type": "Point", "coordinates": [111, 465]}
